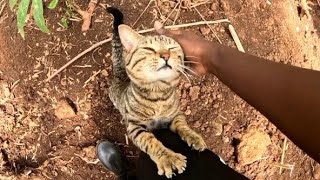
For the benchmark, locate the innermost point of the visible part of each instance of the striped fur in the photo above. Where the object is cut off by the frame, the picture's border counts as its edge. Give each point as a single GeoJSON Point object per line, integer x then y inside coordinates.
{"type": "Point", "coordinates": [145, 94]}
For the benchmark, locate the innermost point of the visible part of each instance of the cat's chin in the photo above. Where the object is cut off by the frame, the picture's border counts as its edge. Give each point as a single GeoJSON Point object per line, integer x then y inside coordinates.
{"type": "Point", "coordinates": [166, 74]}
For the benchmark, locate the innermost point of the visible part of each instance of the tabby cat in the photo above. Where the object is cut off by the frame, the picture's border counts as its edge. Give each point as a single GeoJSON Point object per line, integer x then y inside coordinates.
{"type": "Point", "coordinates": [143, 89]}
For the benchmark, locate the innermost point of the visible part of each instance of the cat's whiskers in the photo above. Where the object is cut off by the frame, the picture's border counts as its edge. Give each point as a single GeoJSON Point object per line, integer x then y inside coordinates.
{"type": "Point", "coordinates": [188, 68]}
{"type": "Point", "coordinates": [184, 73]}
{"type": "Point", "coordinates": [192, 57]}
{"type": "Point", "coordinates": [192, 62]}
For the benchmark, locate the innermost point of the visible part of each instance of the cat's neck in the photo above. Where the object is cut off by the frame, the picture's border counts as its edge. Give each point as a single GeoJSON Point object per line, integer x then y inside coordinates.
{"type": "Point", "coordinates": [157, 88]}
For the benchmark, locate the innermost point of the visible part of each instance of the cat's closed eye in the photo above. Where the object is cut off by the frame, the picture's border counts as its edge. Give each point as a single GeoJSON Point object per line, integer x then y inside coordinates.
{"type": "Point", "coordinates": [149, 49]}
{"type": "Point", "coordinates": [174, 48]}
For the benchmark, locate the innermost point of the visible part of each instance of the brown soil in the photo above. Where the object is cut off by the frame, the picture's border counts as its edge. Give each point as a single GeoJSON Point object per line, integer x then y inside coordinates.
{"type": "Point", "coordinates": [35, 144]}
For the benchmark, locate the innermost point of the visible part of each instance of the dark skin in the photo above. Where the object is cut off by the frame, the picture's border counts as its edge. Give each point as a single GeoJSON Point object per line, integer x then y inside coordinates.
{"type": "Point", "coordinates": [288, 96]}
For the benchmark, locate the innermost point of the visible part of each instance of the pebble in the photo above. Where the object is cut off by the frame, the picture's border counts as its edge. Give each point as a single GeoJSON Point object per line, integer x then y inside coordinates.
{"type": "Point", "coordinates": [204, 30]}
{"type": "Point", "coordinates": [226, 139]}
{"type": "Point", "coordinates": [194, 93]}
{"type": "Point", "coordinates": [213, 7]}
{"type": "Point", "coordinates": [217, 126]}
{"type": "Point", "coordinates": [5, 93]}
{"type": "Point", "coordinates": [227, 127]}
{"type": "Point", "coordinates": [216, 106]}
{"type": "Point", "coordinates": [197, 124]}
{"type": "Point", "coordinates": [65, 109]}
{"type": "Point", "coordinates": [187, 112]}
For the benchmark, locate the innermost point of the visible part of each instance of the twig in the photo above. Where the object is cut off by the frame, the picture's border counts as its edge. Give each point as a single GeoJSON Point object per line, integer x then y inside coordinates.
{"type": "Point", "coordinates": [142, 13]}
{"type": "Point", "coordinates": [178, 13]}
{"type": "Point", "coordinates": [141, 32]}
{"type": "Point", "coordinates": [236, 38]}
{"type": "Point", "coordinates": [2, 8]}
{"type": "Point", "coordinates": [284, 166]}
{"type": "Point", "coordinates": [284, 148]}
{"type": "Point", "coordinates": [86, 15]}
{"type": "Point", "coordinates": [90, 78]}
{"type": "Point", "coordinates": [127, 139]}
{"type": "Point", "coordinates": [208, 25]}
{"type": "Point", "coordinates": [175, 7]}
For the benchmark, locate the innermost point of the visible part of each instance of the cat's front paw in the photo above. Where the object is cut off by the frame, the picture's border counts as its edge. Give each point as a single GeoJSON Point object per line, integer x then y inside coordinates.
{"type": "Point", "coordinates": [169, 162]}
{"type": "Point", "coordinates": [195, 141]}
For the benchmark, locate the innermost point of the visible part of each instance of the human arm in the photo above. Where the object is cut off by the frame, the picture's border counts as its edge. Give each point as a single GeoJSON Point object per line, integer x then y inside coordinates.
{"type": "Point", "coordinates": [288, 96]}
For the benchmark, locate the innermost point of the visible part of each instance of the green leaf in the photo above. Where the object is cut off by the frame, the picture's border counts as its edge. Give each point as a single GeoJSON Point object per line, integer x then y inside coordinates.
{"type": "Point", "coordinates": [37, 7]}
{"type": "Point", "coordinates": [12, 3]}
{"type": "Point", "coordinates": [64, 22]}
{"type": "Point", "coordinates": [53, 4]}
{"type": "Point", "coordinates": [22, 15]}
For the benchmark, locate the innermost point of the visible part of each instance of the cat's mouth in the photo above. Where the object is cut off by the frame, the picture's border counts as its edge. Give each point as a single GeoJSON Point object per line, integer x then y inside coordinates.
{"type": "Point", "coordinates": [165, 67]}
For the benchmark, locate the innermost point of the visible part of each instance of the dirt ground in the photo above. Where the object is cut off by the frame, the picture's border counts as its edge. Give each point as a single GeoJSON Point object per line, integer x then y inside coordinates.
{"type": "Point", "coordinates": [35, 144]}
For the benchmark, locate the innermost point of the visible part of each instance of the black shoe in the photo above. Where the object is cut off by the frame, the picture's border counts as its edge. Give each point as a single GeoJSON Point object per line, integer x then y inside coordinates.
{"type": "Point", "coordinates": [110, 156]}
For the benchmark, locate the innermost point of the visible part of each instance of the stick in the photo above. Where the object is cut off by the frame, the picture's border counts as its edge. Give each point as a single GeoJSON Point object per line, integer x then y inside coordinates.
{"type": "Point", "coordinates": [208, 25]}
{"type": "Point", "coordinates": [178, 13]}
{"type": "Point", "coordinates": [175, 7]}
{"type": "Point", "coordinates": [284, 166]}
{"type": "Point", "coordinates": [141, 32]}
{"type": "Point", "coordinates": [142, 13]}
{"type": "Point", "coordinates": [236, 38]}
{"type": "Point", "coordinates": [2, 8]}
{"type": "Point", "coordinates": [90, 78]}
{"type": "Point", "coordinates": [284, 148]}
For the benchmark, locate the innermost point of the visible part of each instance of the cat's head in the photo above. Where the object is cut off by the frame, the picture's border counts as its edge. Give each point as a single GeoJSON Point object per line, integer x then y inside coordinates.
{"type": "Point", "coordinates": [151, 58]}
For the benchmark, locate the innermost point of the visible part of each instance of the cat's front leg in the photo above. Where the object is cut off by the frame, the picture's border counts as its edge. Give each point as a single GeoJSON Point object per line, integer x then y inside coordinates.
{"type": "Point", "coordinates": [166, 160]}
{"type": "Point", "coordinates": [193, 139]}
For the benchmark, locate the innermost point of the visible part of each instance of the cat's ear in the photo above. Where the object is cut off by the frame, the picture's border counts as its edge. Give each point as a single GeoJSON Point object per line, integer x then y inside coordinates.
{"type": "Point", "coordinates": [129, 37]}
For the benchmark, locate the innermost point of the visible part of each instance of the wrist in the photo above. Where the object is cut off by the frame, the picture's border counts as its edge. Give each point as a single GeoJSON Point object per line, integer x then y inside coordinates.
{"type": "Point", "coordinates": [210, 57]}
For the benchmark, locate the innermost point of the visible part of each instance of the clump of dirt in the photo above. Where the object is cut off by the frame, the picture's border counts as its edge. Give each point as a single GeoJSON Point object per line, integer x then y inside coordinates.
{"type": "Point", "coordinates": [65, 109]}
{"type": "Point", "coordinates": [253, 146]}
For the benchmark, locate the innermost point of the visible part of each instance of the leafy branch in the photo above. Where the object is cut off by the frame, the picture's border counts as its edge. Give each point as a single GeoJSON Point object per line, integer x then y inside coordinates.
{"type": "Point", "coordinates": [36, 11]}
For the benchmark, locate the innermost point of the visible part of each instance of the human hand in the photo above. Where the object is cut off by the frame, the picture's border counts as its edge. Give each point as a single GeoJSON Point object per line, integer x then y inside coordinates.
{"type": "Point", "coordinates": [194, 47]}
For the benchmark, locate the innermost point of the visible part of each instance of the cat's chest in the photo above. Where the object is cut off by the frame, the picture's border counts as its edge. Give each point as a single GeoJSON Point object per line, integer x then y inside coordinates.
{"type": "Point", "coordinates": [161, 111]}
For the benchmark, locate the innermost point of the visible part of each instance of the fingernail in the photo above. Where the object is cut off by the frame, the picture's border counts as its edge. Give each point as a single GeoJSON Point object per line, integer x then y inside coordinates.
{"type": "Point", "coordinates": [159, 27]}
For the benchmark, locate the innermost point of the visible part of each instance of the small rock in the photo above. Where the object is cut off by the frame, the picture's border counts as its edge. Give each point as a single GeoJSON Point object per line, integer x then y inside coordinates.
{"type": "Point", "coordinates": [216, 106]}
{"type": "Point", "coordinates": [197, 124]}
{"type": "Point", "coordinates": [227, 127]}
{"type": "Point", "coordinates": [316, 172]}
{"type": "Point", "coordinates": [65, 109]}
{"type": "Point", "coordinates": [214, 6]}
{"type": "Point", "coordinates": [90, 152]}
{"type": "Point", "coordinates": [5, 93]}
{"type": "Point", "coordinates": [187, 112]}
{"type": "Point", "coordinates": [226, 139]}
{"type": "Point", "coordinates": [105, 73]}
{"type": "Point", "coordinates": [204, 30]}
{"type": "Point", "coordinates": [254, 144]}
{"type": "Point", "coordinates": [194, 93]}
{"type": "Point", "coordinates": [217, 126]}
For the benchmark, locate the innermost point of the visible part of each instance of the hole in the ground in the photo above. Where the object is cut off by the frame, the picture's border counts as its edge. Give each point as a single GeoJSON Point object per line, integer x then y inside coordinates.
{"type": "Point", "coordinates": [299, 11]}
{"type": "Point", "coordinates": [235, 142]}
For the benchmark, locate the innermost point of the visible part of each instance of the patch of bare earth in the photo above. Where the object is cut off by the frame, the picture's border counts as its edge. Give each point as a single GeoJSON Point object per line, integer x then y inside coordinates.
{"type": "Point", "coordinates": [39, 141]}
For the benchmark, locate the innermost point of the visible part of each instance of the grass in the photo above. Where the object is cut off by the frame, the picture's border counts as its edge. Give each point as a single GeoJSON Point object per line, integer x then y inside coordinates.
{"type": "Point", "coordinates": [35, 9]}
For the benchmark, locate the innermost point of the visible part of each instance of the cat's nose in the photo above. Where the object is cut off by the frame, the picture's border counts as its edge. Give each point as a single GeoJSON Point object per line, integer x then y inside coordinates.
{"type": "Point", "coordinates": [165, 56]}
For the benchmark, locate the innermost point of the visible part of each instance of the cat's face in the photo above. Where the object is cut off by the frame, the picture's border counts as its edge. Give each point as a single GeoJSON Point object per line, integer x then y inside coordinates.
{"type": "Point", "coordinates": [151, 58]}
